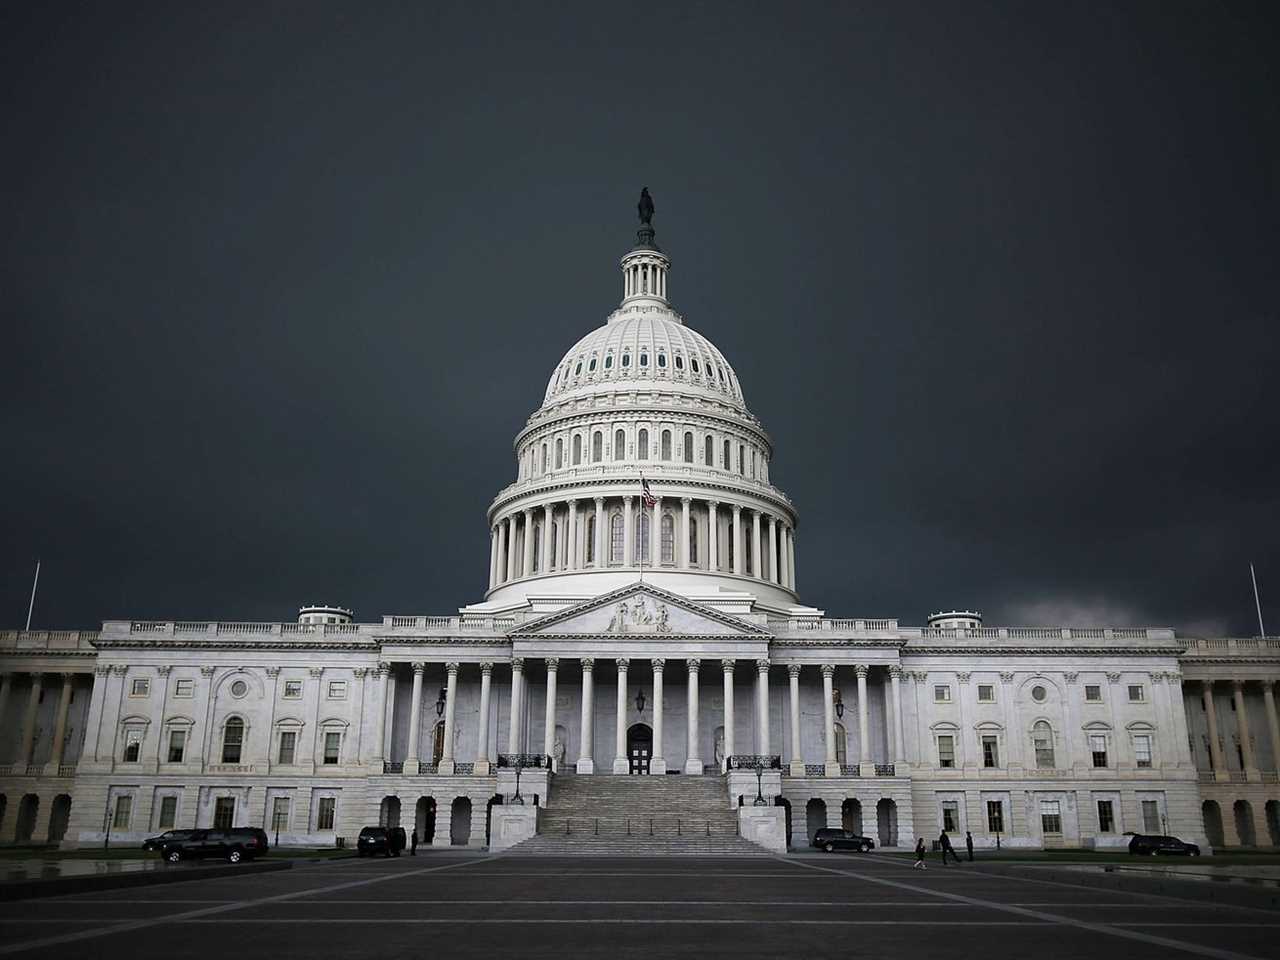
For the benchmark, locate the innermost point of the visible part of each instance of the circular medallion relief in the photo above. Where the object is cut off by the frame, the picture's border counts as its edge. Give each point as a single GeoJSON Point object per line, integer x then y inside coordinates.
{"type": "Point", "coordinates": [1038, 693]}
{"type": "Point", "coordinates": [239, 688]}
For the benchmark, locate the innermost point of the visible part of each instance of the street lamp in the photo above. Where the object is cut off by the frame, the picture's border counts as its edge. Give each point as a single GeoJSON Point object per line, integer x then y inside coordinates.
{"type": "Point", "coordinates": [759, 800]}
{"type": "Point", "coordinates": [519, 766]}
{"type": "Point", "coordinates": [639, 701]}
{"type": "Point", "coordinates": [839, 702]}
{"type": "Point", "coordinates": [440, 702]}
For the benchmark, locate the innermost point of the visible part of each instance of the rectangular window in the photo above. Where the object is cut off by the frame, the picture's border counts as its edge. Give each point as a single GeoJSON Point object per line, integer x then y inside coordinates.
{"type": "Point", "coordinates": [124, 810]}
{"type": "Point", "coordinates": [168, 812]}
{"type": "Point", "coordinates": [1106, 817]}
{"type": "Point", "coordinates": [1142, 750]}
{"type": "Point", "coordinates": [946, 751]}
{"type": "Point", "coordinates": [995, 816]}
{"type": "Point", "coordinates": [337, 689]}
{"type": "Point", "coordinates": [288, 744]}
{"type": "Point", "coordinates": [177, 745]}
{"type": "Point", "coordinates": [1042, 739]}
{"type": "Point", "coordinates": [1092, 693]}
{"type": "Point", "coordinates": [1137, 693]}
{"type": "Point", "coordinates": [224, 813]}
{"type": "Point", "coordinates": [280, 813]}
{"type": "Point", "coordinates": [986, 693]}
{"type": "Point", "coordinates": [293, 689]}
{"type": "Point", "coordinates": [1098, 746]}
{"type": "Point", "coordinates": [1150, 816]}
{"type": "Point", "coordinates": [324, 815]}
{"type": "Point", "coordinates": [990, 751]}
{"type": "Point", "coordinates": [140, 687]}
{"type": "Point", "coordinates": [1050, 816]}
{"type": "Point", "coordinates": [184, 689]}
{"type": "Point", "coordinates": [942, 693]}
{"type": "Point", "coordinates": [332, 741]}
{"type": "Point", "coordinates": [951, 816]}
{"type": "Point", "coordinates": [132, 746]}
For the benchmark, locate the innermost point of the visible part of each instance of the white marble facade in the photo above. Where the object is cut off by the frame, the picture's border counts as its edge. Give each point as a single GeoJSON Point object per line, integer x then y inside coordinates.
{"type": "Point", "coordinates": [1037, 736]}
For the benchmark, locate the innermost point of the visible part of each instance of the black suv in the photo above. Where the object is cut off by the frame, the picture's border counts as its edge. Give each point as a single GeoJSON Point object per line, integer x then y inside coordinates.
{"type": "Point", "coordinates": [1152, 845]}
{"type": "Point", "coordinates": [234, 845]}
{"type": "Point", "coordinates": [831, 839]}
{"type": "Point", "coordinates": [169, 836]}
{"type": "Point", "coordinates": [388, 841]}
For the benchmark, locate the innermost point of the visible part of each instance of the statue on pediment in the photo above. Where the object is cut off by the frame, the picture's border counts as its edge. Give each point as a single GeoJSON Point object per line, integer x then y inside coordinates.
{"type": "Point", "coordinates": [640, 617]}
{"type": "Point", "coordinates": [619, 622]}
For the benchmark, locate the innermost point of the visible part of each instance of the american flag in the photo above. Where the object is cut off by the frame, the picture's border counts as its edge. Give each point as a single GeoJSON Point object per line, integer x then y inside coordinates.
{"type": "Point", "coordinates": [646, 494]}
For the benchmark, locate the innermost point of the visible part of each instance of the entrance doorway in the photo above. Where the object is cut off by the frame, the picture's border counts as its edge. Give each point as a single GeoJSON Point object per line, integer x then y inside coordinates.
{"type": "Point", "coordinates": [639, 747]}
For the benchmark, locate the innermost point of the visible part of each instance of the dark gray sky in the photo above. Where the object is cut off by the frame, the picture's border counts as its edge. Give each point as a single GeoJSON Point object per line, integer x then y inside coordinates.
{"type": "Point", "coordinates": [282, 281]}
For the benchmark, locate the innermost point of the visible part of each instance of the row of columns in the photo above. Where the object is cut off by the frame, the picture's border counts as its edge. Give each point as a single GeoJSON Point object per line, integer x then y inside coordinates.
{"type": "Point", "coordinates": [507, 561]}
{"type": "Point", "coordinates": [27, 744]}
{"type": "Point", "coordinates": [1217, 761]}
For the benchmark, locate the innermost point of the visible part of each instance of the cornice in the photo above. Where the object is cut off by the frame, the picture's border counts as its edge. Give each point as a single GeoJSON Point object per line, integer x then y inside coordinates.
{"type": "Point", "coordinates": [505, 500]}
{"type": "Point", "coordinates": [844, 642]}
{"type": "Point", "coordinates": [438, 641]}
{"type": "Point", "coordinates": [641, 411]}
{"type": "Point", "coordinates": [1024, 650]}
{"type": "Point", "coordinates": [214, 644]}
{"type": "Point", "coordinates": [36, 652]}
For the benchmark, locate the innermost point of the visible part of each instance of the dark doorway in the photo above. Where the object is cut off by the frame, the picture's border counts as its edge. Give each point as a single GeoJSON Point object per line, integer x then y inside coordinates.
{"type": "Point", "coordinates": [424, 819]}
{"type": "Point", "coordinates": [639, 747]}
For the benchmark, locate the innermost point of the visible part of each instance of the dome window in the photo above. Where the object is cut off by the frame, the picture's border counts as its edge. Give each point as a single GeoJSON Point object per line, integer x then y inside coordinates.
{"type": "Point", "coordinates": [694, 361]}
{"type": "Point", "coordinates": [608, 362]}
{"type": "Point", "coordinates": [626, 359]}
{"type": "Point", "coordinates": [662, 359]}
{"type": "Point", "coordinates": [577, 371]}
{"type": "Point", "coordinates": [644, 359]}
{"type": "Point", "coordinates": [679, 362]}
{"type": "Point", "coordinates": [591, 367]}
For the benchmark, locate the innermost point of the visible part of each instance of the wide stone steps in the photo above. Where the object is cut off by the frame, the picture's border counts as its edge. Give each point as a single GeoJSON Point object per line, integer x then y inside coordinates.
{"type": "Point", "coordinates": [551, 846]}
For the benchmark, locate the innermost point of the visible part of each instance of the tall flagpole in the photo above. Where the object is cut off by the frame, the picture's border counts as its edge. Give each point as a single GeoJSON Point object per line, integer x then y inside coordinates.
{"type": "Point", "coordinates": [1262, 631]}
{"type": "Point", "coordinates": [34, 583]}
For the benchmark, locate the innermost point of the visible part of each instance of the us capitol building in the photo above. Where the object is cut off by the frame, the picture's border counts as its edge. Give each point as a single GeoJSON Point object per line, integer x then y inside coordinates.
{"type": "Point", "coordinates": [641, 655]}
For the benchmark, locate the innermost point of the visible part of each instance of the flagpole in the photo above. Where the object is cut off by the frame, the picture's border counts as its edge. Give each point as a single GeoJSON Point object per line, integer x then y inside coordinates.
{"type": "Point", "coordinates": [1262, 631]}
{"type": "Point", "coordinates": [36, 582]}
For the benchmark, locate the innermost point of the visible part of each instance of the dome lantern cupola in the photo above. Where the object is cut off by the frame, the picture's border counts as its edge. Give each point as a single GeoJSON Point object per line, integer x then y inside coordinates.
{"type": "Point", "coordinates": [644, 269]}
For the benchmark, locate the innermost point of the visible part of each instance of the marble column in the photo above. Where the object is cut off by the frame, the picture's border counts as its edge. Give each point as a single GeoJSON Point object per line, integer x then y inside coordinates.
{"type": "Point", "coordinates": [736, 533]}
{"type": "Point", "coordinates": [572, 536]}
{"type": "Point", "coordinates": [1242, 731]}
{"type": "Point", "coordinates": [6, 687]}
{"type": "Point", "coordinates": [601, 558]}
{"type": "Point", "coordinates": [450, 702]}
{"type": "Point", "coordinates": [628, 534]}
{"type": "Point", "coordinates": [29, 723]}
{"type": "Point", "coordinates": [762, 707]}
{"type": "Point", "coordinates": [482, 731]}
{"type": "Point", "coordinates": [899, 743]}
{"type": "Point", "coordinates": [864, 720]}
{"type": "Point", "coordinates": [829, 718]}
{"type": "Point", "coordinates": [773, 549]}
{"type": "Point", "coordinates": [548, 521]}
{"type": "Point", "coordinates": [683, 552]}
{"type": "Point", "coordinates": [621, 764]}
{"type": "Point", "coordinates": [658, 760]}
{"type": "Point", "coordinates": [693, 762]}
{"type": "Point", "coordinates": [1216, 760]}
{"type": "Point", "coordinates": [415, 720]}
{"type": "Point", "coordinates": [511, 572]}
{"type": "Point", "coordinates": [380, 734]}
{"type": "Point", "coordinates": [549, 713]}
{"type": "Point", "coordinates": [60, 723]}
{"type": "Point", "coordinates": [493, 557]}
{"type": "Point", "coordinates": [526, 564]}
{"type": "Point", "coordinates": [585, 762]}
{"type": "Point", "coordinates": [1273, 724]}
{"type": "Point", "coordinates": [713, 535]}
{"type": "Point", "coordinates": [655, 534]}
{"type": "Point", "coordinates": [727, 666]}
{"type": "Point", "coordinates": [755, 545]}
{"type": "Point", "coordinates": [515, 729]}
{"type": "Point", "coordinates": [797, 755]}
{"type": "Point", "coordinates": [791, 557]}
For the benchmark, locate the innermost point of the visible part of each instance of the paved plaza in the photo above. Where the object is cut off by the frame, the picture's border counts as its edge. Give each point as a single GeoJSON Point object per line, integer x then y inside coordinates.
{"type": "Point", "coordinates": [468, 905]}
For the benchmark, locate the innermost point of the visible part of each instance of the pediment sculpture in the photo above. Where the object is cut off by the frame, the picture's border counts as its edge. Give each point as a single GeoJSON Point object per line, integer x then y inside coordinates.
{"type": "Point", "coordinates": [641, 616]}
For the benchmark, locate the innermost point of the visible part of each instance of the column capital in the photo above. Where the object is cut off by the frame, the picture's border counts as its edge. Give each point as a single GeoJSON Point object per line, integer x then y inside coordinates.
{"type": "Point", "coordinates": [693, 664]}
{"type": "Point", "coordinates": [486, 668]}
{"type": "Point", "coordinates": [622, 664]}
{"type": "Point", "coordinates": [1006, 678]}
{"type": "Point", "coordinates": [1237, 686]}
{"type": "Point", "coordinates": [737, 509]}
{"type": "Point", "coordinates": [383, 669]}
{"type": "Point", "coordinates": [588, 664]}
{"type": "Point", "coordinates": [599, 503]}
{"type": "Point", "coordinates": [318, 672]}
{"type": "Point", "coordinates": [861, 669]}
{"type": "Point", "coordinates": [419, 668]}
{"type": "Point", "coordinates": [553, 664]}
{"type": "Point", "coordinates": [727, 664]}
{"type": "Point", "coordinates": [762, 665]}
{"type": "Point", "coordinates": [658, 664]}
{"type": "Point", "coordinates": [686, 500]}
{"type": "Point", "coordinates": [205, 671]}
{"type": "Point", "coordinates": [713, 504]}
{"type": "Point", "coordinates": [793, 670]}
{"type": "Point", "coordinates": [828, 669]}
{"type": "Point", "coordinates": [627, 501]}
{"type": "Point", "coordinates": [572, 501]}
{"type": "Point", "coordinates": [164, 668]}
{"type": "Point", "coordinates": [895, 672]}
{"type": "Point", "coordinates": [1071, 676]}
{"type": "Point", "coordinates": [963, 677]}
{"type": "Point", "coordinates": [1207, 684]}
{"type": "Point", "coordinates": [517, 664]}
{"type": "Point", "coordinates": [272, 672]}
{"type": "Point", "coordinates": [452, 668]}
{"type": "Point", "coordinates": [101, 670]}
{"type": "Point", "coordinates": [120, 669]}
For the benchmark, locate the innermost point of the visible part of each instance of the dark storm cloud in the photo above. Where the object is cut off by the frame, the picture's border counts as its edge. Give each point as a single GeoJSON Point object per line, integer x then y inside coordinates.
{"type": "Point", "coordinates": [281, 284]}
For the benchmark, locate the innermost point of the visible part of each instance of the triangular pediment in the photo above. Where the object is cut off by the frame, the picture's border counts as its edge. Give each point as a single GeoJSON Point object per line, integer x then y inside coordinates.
{"type": "Point", "coordinates": [640, 610]}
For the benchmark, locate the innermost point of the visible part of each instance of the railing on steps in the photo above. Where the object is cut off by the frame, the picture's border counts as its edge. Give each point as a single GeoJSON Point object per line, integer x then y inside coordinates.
{"type": "Point", "coordinates": [751, 761]}
{"type": "Point", "coordinates": [525, 760]}
{"type": "Point", "coordinates": [658, 827]}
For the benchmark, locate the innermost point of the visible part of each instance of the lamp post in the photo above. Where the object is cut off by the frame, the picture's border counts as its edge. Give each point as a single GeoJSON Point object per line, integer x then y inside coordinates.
{"type": "Point", "coordinates": [519, 766]}
{"type": "Point", "coordinates": [640, 701]}
{"type": "Point", "coordinates": [759, 800]}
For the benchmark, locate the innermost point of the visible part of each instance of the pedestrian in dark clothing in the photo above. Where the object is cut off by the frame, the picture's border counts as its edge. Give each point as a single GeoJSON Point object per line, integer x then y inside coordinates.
{"type": "Point", "coordinates": [919, 864]}
{"type": "Point", "coordinates": [413, 847]}
{"type": "Point", "coordinates": [968, 842]}
{"type": "Point", "coordinates": [944, 841]}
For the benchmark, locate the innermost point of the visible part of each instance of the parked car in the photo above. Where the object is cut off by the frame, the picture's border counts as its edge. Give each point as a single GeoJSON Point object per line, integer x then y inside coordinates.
{"type": "Point", "coordinates": [831, 839]}
{"type": "Point", "coordinates": [233, 845]}
{"type": "Point", "coordinates": [158, 841]}
{"type": "Point", "coordinates": [388, 841]}
{"type": "Point", "coordinates": [1152, 845]}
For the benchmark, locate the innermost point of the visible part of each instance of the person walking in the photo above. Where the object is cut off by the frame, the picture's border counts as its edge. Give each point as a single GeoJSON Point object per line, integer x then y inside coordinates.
{"type": "Point", "coordinates": [968, 842]}
{"type": "Point", "coordinates": [919, 864]}
{"type": "Point", "coordinates": [944, 841]}
{"type": "Point", "coordinates": [413, 844]}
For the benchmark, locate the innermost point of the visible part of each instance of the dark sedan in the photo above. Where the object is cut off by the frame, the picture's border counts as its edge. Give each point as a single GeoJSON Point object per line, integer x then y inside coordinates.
{"type": "Point", "coordinates": [830, 839]}
{"type": "Point", "coordinates": [1153, 845]}
{"type": "Point", "coordinates": [169, 836]}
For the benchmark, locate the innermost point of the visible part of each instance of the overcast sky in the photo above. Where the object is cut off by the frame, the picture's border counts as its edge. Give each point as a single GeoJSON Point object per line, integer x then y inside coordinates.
{"type": "Point", "coordinates": [280, 283]}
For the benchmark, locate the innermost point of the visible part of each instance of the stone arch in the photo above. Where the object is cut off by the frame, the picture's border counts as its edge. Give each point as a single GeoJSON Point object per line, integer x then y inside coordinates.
{"type": "Point", "coordinates": [786, 815]}
{"type": "Point", "coordinates": [28, 810]}
{"type": "Point", "coordinates": [59, 817]}
{"type": "Point", "coordinates": [1272, 811]}
{"type": "Point", "coordinates": [389, 812]}
{"type": "Point", "coordinates": [255, 684]}
{"type": "Point", "coordinates": [460, 821]}
{"type": "Point", "coordinates": [495, 800]}
{"type": "Point", "coordinates": [424, 819]}
{"type": "Point", "coordinates": [1212, 814]}
{"type": "Point", "coordinates": [1242, 812]}
{"type": "Point", "coordinates": [851, 815]}
{"type": "Point", "coordinates": [887, 822]}
{"type": "Point", "coordinates": [815, 817]}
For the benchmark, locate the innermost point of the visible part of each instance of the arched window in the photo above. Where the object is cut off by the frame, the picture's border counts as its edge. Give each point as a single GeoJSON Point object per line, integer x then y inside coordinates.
{"type": "Point", "coordinates": [728, 461]}
{"type": "Point", "coordinates": [555, 555]}
{"type": "Point", "coordinates": [626, 359]}
{"type": "Point", "coordinates": [537, 546]}
{"type": "Point", "coordinates": [591, 539]}
{"type": "Point", "coordinates": [615, 538]}
{"type": "Point", "coordinates": [742, 460]}
{"type": "Point", "coordinates": [591, 367]}
{"type": "Point", "coordinates": [709, 453]}
{"type": "Point", "coordinates": [842, 743]}
{"type": "Point", "coordinates": [232, 740]}
{"type": "Point", "coordinates": [642, 445]}
{"type": "Point", "coordinates": [693, 540]}
{"type": "Point", "coordinates": [641, 550]}
{"type": "Point", "coordinates": [577, 449]}
{"type": "Point", "coordinates": [608, 362]}
{"type": "Point", "coordinates": [662, 359]}
{"type": "Point", "coordinates": [1042, 740]}
{"type": "Point", "coordinates": [730, 540]}
{"type": "Point", "coordinates": [544, 458]}
{"type": "Point", "coordinates": [559, 452]}
{"type": "Point", "coordinates": [694, 361]}
{"type": "Point", "coordinates": [753, 464]}
{"type": "Point", "coordinates": [666, 444]}
{"type": "Point", "coordinates": [619, 445]}
{"type": "Point", "coordinates": [668, 538]}
{"type": "Point", "coordinates": [597, 447]}
{"type": "Point", "coordinates": [679, 362]}
{"type": "Point", "coordinates": [688, 448]}
{"type": "Point", "coordinates": [644, 359]}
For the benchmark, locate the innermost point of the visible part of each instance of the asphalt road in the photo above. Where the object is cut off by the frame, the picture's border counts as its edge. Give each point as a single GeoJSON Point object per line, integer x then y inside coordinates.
{"type": "Point", "coordinates": [458, 905]}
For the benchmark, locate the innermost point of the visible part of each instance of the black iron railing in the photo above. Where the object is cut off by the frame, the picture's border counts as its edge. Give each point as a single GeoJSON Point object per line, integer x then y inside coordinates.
{"type": "Point", "coordinates": [393, 766]}
{"type": "Point", "coordinates": [525, 760]}
{"type": "Point", "coordinates": [752, 761]}
{"type": "Point", "coordinates": [885, 770]}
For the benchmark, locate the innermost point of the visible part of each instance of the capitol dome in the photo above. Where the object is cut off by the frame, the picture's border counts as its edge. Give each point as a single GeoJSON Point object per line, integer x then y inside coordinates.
{"type": "Point", "coordinates": [642, 399]}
